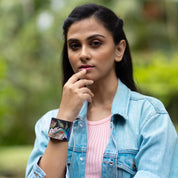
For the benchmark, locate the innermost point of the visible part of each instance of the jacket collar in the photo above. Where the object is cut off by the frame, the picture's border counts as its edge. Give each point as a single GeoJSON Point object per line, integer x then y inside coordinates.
{"type": "Point", "coordinates": [120, 102]}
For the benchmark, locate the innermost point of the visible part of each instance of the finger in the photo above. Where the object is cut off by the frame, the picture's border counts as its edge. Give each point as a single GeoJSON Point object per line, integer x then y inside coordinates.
{"type": "Point", "coordinates": [87, 97]}
{"type": "Point", "coordinates": [83, 83]}
{"type": "Point", "coordinates": [86, 90]}
{"type": "Point", "coordinates": [77, 76]}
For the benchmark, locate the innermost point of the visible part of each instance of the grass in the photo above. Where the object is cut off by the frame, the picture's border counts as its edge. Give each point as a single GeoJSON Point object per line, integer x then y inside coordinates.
{"type": "Point", "coordinates": [13, 161]}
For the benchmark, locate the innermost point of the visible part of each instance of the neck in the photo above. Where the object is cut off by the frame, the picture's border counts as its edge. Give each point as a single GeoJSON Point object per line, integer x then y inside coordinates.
{"type": "Point", "coordinates": [104, 92]}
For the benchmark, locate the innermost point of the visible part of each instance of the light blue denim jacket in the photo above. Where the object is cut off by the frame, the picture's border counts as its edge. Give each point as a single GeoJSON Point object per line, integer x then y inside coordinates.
{"type": "Point", "coordinates": [141, 145]}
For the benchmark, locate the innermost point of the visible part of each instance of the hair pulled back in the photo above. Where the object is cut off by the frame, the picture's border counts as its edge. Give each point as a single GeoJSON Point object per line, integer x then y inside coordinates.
{"type": "Point", "coordinates": [114, 25]}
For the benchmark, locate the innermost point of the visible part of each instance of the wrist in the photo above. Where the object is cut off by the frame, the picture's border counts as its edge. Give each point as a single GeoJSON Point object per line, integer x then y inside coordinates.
{"type": "Point", "coordinates": [66, 117]}
{"type": "Point", "coordinates": [60, 129]}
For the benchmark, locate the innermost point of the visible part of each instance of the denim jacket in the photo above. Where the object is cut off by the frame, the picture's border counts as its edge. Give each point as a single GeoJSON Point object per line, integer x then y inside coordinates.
{"type": "Point", "coordinates": [141, 145]}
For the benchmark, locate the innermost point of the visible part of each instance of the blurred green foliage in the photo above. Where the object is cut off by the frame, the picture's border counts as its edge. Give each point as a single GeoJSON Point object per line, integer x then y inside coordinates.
{"type": "Point", "coordinates": [159, 73]}
{"type": "Point", "coordinates": [30, 48]}
{"type": "Point", "coordinates": [157, 76]}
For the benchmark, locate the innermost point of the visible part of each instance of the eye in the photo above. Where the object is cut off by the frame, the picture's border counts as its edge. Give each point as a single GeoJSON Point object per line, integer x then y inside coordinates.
{"type": "Point", "coordinates": [95, 43]}
{"type": "Point", "coordinates": [74, 46]}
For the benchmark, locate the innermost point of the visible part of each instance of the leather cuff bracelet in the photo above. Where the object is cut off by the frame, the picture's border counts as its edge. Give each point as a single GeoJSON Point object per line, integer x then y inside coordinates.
{"type": "Point", "coordinates": [60, 129]}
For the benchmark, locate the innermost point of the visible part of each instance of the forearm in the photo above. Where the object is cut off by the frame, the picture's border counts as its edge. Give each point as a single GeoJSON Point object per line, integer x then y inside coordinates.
{"type": "Point", "coordinates": [54, 157]}
{"type": "Point", "coordinates": [53, 161]}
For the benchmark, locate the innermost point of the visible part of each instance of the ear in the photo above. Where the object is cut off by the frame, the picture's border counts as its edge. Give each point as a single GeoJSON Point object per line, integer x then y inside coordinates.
{"type": "Point", "coordinates": [119, 50]}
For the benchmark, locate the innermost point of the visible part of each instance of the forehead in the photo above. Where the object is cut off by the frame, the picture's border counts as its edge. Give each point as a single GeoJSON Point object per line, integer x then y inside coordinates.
{"type": "Point", "coordinates": [86, 28]}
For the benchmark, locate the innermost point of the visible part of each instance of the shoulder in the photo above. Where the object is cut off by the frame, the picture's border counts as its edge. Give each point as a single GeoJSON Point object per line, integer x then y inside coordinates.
{"type": "Point", "coordinates": [148, 114]}
{"type": "Point", "coordinates": [148, 103]}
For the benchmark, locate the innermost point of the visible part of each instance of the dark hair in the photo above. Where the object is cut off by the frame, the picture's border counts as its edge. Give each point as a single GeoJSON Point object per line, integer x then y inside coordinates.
{"type": "Point", "coordinates": [114, 25]}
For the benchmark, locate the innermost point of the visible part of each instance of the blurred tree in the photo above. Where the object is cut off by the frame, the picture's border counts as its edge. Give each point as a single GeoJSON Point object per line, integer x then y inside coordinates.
{"type": "Point", "coordinates": [30, 47]}
{"type": "Point", "coordinates": [157, 76]}
{"type": "Point", "coordinates": [30, 77]}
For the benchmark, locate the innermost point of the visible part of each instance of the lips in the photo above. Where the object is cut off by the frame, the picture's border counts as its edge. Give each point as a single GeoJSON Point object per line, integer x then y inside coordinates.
{"type": "Point", "coordinates": [86, 67]}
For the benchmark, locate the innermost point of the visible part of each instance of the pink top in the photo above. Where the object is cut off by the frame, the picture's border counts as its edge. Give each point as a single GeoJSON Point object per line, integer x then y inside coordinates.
{"type": "Point", "coordinates": [98, 136]}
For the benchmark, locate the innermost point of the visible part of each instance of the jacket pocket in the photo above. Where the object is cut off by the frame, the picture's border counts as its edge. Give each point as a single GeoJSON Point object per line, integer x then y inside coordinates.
{"type": "Point", "coordinates": [126, 166]}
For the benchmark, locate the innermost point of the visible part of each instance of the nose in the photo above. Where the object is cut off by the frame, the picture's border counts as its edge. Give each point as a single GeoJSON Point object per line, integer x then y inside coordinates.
{"type": "Point", "coordinates": [84, 53]}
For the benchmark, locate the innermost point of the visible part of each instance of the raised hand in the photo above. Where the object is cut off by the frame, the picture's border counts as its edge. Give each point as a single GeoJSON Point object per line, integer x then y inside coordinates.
{"type": "Point", "coordinates": [74, 94]}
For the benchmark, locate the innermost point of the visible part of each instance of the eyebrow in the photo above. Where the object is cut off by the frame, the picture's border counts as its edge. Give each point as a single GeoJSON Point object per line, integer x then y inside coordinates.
{"type": "Point", "coordinates": [90, 37]}
{"type": "Point", "coordinates": [96, 35]}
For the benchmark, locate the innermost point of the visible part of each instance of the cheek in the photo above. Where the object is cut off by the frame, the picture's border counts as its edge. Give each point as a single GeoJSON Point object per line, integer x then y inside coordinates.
{"type": "Point", "coordinates": [106, 56]}
{"type": "Point", "coordinates": [72, 61]}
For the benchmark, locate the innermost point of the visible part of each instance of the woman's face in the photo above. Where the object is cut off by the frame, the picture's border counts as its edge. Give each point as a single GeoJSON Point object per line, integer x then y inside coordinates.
{"type": "Point", "coordinates": [90, 46]}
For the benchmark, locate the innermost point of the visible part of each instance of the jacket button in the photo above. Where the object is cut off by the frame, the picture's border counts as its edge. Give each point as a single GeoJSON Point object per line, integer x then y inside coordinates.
{"type": "Point", "coordinates": [81, 159]}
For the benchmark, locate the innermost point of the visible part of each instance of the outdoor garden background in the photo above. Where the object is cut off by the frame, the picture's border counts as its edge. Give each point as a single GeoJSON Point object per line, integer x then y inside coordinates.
{"type": "Point", "coordinates": [30, 73]}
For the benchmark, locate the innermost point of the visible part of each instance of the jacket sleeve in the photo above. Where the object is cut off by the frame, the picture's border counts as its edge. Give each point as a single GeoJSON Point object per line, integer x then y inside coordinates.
{"type": "Point", "coordinates": [174, 166]}
{"type": "Point", "coordinates": [157, 142]}
{"type": "Point", "coordinates": [41, 141]}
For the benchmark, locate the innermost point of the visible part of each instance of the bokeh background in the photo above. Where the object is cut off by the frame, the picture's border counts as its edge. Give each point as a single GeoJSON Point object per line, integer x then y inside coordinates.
{"type": "Point", "coordinates": [30, 56]}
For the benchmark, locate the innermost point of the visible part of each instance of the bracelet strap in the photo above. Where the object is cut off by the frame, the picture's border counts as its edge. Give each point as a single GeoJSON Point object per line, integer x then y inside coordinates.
{"type": "Point", "coordinates": [60, 129]}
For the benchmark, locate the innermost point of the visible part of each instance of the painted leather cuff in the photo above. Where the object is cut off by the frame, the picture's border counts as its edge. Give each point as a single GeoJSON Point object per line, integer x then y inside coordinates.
{"type": "Point", "coordinates": [60, 129]}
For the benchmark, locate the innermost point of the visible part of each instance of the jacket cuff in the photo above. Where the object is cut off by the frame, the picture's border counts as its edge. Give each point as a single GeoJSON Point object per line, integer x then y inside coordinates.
{"type": "Point", "coordinates": [37, 172]}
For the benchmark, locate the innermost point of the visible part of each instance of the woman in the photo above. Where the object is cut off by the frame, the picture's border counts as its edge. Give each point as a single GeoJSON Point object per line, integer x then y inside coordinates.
{"type": "Point", "coordinates": [104, 128]}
